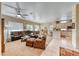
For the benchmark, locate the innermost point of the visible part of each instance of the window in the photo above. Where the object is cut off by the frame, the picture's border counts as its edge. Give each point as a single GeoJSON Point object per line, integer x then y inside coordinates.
{"type": "Point", "coordinates": [36, 27]}
{"type": "Point", "coordinates": [51, 28]}
{"type": "Point", "coordinates": [29, 27]}
{"type": "Point", "coordinates": [14, 26]}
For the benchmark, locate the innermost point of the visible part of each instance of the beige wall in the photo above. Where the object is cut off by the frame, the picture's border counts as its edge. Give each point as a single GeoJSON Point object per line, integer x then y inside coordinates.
{"type": "Point", "coordinates": [75, 32]}
{"type": "Point", "coordinates": [77, 26]}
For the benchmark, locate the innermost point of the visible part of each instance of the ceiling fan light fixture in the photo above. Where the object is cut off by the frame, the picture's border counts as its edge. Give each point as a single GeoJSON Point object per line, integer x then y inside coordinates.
{"type": "Point", "coordinates": [18, 15]}
{"type": "Point", "coordinates": [63, 22]}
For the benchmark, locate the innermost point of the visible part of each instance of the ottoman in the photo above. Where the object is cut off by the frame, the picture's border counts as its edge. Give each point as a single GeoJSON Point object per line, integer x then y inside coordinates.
{"type": "Point", "coordinates": [30, 41]}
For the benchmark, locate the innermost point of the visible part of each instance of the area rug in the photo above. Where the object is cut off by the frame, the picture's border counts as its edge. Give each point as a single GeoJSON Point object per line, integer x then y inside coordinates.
{"type": "Point", "coordinates": [68, 52]}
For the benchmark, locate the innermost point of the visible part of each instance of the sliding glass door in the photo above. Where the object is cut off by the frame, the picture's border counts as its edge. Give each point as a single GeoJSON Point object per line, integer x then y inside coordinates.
{"type": "Point", "coordinates": [11, 27]}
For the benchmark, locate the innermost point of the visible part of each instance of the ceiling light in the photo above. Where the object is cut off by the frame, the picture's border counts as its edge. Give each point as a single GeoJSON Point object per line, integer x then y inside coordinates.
{"type": "Point", "coordinates": [63, 21]}
{"type": "Point", "coordinates": [63, 29]}
{"type": "Point", "coordinates": [18, 15]}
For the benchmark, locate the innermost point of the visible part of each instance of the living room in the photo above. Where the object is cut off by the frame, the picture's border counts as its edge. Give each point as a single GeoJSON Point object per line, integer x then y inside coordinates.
{"type": "Point", "coordinates": [32, 30]}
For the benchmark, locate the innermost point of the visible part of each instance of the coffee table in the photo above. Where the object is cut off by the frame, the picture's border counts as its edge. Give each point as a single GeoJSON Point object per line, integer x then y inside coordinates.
{"type": "Point", "coordinates": [23, 39]}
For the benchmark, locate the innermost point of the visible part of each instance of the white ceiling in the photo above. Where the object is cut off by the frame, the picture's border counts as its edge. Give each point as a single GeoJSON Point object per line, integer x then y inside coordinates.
{"type": "Point", "coordinates": [42, 12]}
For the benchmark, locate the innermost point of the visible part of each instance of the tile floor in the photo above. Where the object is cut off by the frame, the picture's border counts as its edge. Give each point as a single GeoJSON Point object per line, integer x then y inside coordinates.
{"type": "Point", "coordinates": [17, 48]}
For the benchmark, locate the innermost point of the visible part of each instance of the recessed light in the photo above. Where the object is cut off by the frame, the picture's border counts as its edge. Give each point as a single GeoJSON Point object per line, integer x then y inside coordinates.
{"type": "Point", "coordinates": [64, 29]}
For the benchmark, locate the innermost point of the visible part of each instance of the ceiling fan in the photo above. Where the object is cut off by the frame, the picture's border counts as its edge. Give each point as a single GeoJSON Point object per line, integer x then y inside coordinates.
{"type": "Point", "coordinates": [18, 10]}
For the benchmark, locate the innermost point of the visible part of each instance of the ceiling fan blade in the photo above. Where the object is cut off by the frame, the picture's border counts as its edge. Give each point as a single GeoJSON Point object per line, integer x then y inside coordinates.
{"type": "Point", "coordinates": [18, 8]}
{"type": "Point", "coordinates": [17, 4]}
{"type": "Point", "coordinates": [10, 6]}
{"type": "Point", "coordinates": [25, 15]}
{"type": "Point", "coordinates": [22, 16]}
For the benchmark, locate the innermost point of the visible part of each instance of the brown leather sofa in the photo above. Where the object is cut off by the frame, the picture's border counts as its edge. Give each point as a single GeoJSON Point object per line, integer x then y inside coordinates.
{"type": "Point", "coordinates": [39, 43]}
{"type": "Point", "coordinates": [30, 41]}
{"type": "Point", "coordinates": [18, 34]}
{"type": "Point", "coordinates": [36, 42]}
{"type": "Point", "coordinates": [15, 36]}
